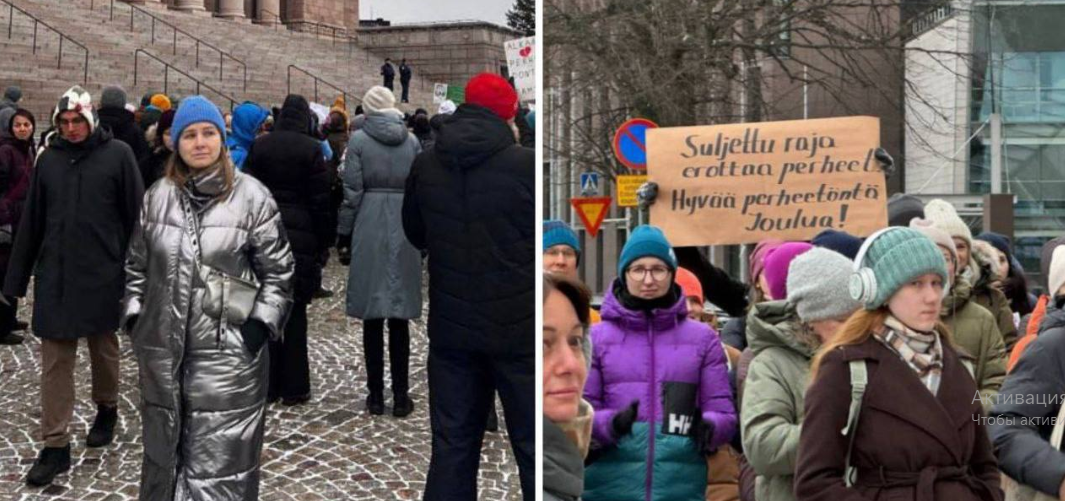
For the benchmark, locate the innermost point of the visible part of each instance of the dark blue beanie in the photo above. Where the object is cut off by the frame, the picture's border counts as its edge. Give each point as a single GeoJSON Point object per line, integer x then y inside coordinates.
{"type": "Point", "coordinates": [997, 241]}
{"type": "Point", "coordinates": [559, 233]}
{"type": "Point", "coordinates": [839, 241]}
{"type": "Point", "coordinates": [646, 241]}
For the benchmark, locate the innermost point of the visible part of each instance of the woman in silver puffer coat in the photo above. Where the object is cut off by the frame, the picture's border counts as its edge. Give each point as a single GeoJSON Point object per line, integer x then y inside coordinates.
{"type": "Point", "coordinates": [203, 381]}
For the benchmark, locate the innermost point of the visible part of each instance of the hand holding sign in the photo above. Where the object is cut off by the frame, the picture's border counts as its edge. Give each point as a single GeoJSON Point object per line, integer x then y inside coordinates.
{"type": "Point", "coordinates": [742, 183]}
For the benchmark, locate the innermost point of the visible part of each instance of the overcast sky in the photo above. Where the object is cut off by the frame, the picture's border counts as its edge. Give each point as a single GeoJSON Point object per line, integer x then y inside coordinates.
{"type": "Point", "coordinates": [420, 11]}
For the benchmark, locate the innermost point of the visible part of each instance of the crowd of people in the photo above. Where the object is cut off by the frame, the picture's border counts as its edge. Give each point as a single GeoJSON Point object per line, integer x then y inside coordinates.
{"type": "Point", "coordinates": [202, 236]}
{"type": "Point", "coordinates": [915, 363]}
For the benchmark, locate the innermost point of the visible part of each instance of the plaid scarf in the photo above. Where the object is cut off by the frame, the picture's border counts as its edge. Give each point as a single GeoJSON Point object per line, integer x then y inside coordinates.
{"type": "Point", "coordinates": [922, 352]}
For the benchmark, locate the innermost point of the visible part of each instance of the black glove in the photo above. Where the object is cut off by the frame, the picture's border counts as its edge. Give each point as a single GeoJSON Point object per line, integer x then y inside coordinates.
{"type": "Point", "coordinates": [131, 322]}
{"type": "Point", "coordinates": [621, 425]}
{"type": "Point", "coordinates": [646, 194]}
{"type": "Point", "coordinates": [255, 333]}
{"type": "Point", "coordinates": [702, 433]}
{"type": "Point", "coordinates": [344, 255]}
{"type": "Point", "coordinates": [887, 164]}
{"type": "Point", "coordinates": [343, 241]}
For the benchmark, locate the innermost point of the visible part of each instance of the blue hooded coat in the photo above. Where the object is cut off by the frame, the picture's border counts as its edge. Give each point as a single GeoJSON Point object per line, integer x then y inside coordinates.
{"type": "Point", "coordinates": [247, 119]}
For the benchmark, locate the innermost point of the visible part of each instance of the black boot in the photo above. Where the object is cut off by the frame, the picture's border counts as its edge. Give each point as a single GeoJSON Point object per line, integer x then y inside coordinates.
{"type": "Point", "coordinates": [103, 427]}
{"type": "Point", "coordinates": [10, 338]}
{"type": "Point", "coordinates": [402, 405]}
{"type": "Point", "coordinates": [50, 462]}
{"type": "Point", "coordinates": [375, 403]}
{"type": "Point", "coordinates": [20, 325]}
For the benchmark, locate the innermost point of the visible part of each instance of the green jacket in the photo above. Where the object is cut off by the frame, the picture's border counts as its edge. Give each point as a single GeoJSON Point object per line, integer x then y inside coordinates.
{"type": "Point", "coordinates": [974, 329]}
{"type": "Point", "coordinates": [997, 303]}
{"type": "Point", "coordinates": [773, 396]}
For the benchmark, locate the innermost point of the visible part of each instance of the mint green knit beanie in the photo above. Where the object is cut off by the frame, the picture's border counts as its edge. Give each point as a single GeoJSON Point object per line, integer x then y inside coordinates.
{"type": "Point", "coordinates": [897, 257]}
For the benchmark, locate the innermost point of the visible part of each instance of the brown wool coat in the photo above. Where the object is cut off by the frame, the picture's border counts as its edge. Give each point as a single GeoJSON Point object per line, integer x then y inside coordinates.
{"type": "Point", "coordinates": [931, 448]}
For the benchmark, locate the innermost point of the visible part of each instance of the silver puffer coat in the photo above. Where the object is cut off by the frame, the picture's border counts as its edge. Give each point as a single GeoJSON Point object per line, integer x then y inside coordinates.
{"type": "Point", "coordinates": [203, 393]}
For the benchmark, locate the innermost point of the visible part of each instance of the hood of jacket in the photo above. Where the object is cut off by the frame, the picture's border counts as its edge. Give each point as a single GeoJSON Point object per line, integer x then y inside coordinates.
{"type": "Point", "coordinates": [775, 323]}
{"type": "Point", "coordinates": [295, 116]}
{"type": "Point", "coordinates": [563, 465]}
{"type": "Point", "coordinates": [471, 136]}
{"type": "Point", "coordinates": [656, 319]}
{"type": "Point", "coordinates": [961, 292]}
{"type": "Point", "coordinates": [247, 119]}
{"type": "Point", "coordinates": [5, 120]}
{"type": "Point", "coordinates": [115, 118]}
{"type": "Point", "coordinates": [386, 128]}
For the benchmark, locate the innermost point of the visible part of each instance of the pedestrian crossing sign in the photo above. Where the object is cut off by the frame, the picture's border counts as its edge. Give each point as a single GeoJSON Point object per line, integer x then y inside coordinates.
{"type": "Point", "coordinates": [592, 211]}
{"type": "Point", "coordinates": [589, 183]}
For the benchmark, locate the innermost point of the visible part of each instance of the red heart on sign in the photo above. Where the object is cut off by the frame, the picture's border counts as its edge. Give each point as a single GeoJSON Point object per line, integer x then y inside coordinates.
{"type": "Point", "coordinates": [525, 52]}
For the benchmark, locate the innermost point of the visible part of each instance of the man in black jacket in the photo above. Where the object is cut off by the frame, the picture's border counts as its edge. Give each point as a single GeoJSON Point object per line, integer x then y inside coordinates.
{"type": "Point", "coordinates": [289, 162]}
{"type": "Point", "coordinates": [470, 201]}
{"type": "Point", "coordinates": [405, 75]}
{"type": "Point", "coordinates": [115, 117]}
{"type": "Point", "coordinates": [388, 72]}
{"type": "Point", "coordinates": [83, 203]}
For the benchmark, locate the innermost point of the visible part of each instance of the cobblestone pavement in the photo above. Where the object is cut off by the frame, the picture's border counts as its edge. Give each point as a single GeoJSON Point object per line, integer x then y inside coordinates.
{"type": "Point", "coordinates": [329, 449]}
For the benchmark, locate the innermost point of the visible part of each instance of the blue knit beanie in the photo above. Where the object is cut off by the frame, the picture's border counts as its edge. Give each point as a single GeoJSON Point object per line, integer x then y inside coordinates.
{"type": "Point", "coordinates": [646, 241]}
{"type": "Point", "coordinates": [839, 241]}
{"type": "Point", "coordinates": [194, 110]}
{"type": "Point", "coordinates": [559, 233]}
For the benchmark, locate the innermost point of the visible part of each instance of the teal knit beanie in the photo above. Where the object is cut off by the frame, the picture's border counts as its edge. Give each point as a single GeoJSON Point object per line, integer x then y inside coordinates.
{"type": "Point", "coordinates": [898, 256]}
{"type": "Point", "coordinates": [559, 233]}
{"type": "Point", "coordinates": [646, 241]}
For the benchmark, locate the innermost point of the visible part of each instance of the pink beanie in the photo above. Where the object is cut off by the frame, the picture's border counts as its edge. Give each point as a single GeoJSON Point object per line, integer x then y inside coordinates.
{"type": "Point", "coordinates": [756, 261]}
{"type": "Point", "coordinates": [776, 267]}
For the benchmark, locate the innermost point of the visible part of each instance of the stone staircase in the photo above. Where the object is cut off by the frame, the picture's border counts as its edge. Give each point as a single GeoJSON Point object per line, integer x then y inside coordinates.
{"type": "Point", "coordinates": [266, 51]}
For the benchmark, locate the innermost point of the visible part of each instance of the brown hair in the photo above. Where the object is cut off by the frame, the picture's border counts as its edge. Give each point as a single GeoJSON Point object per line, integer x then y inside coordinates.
{"type": "Point", "coordinates": [178, 173]}
{"type": "Point", "coordinates": [858, 328]}
{"type": "Point", "coordinates": [575, 292]}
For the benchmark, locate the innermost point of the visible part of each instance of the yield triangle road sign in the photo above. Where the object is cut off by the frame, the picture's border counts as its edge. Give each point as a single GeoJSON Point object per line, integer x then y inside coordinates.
{"type": "Point", "coordinates": [592, 211]}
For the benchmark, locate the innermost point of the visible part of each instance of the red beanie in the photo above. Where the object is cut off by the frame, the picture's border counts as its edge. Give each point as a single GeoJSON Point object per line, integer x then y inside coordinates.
{"type": "Point", "coordinates": [493, 92]}
{"type": "Point", "coordinates": [689, 284]}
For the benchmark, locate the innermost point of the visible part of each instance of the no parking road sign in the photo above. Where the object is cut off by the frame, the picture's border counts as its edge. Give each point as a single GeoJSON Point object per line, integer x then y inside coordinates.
{"type": "Point", "coordinates": [630, 143]}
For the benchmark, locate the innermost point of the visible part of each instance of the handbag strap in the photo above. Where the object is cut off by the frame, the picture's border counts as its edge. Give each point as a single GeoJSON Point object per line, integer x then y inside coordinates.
{"type": "Point", "coordinates": [192, 226]}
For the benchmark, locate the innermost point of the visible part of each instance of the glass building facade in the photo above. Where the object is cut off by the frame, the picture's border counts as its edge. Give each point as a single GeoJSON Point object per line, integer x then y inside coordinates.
{"type": "Point", "coordinates": [1018, 70]}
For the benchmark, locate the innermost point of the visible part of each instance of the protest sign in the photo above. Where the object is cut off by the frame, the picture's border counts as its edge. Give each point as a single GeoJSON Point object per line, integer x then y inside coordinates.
{"type": "Point", "coordinates": [521, 64]}
{"type": "Point", "coordinates": [741, 183]}
{"type": "Point", "coordinates": [439, 93]}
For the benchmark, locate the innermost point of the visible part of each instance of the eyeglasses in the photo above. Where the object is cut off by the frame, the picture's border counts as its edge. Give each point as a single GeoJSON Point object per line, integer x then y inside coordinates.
{"type": "Point", "coordinates": [561, 251]}
{"type": "Point", "coordinates": [658, 273]}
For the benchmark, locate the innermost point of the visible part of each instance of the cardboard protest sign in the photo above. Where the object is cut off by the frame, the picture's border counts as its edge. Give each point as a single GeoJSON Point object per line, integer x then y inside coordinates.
{"type": "Point", "coordinates": [521, 64]}
{"type": "Point", "coordinates": [741, 183]}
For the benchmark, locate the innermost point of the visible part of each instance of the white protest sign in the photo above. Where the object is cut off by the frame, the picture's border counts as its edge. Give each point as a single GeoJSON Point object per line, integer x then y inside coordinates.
{"type": "Point", "coordinates": [521, 62]}
{"type": "Point", "coordinates": [439, 93]}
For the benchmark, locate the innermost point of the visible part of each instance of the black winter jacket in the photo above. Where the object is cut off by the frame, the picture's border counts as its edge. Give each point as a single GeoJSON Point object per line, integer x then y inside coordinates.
{"type": "Point", "coordinates": [471, 202]}
{"type": "Point", "coordinates": [289, 162]}
{"type": "Point", "coordinates": [1027, 406]}
{"type": "Point", "coordinates": [83, 203]}
{"type": "Point", "coordinates": [123, 128]}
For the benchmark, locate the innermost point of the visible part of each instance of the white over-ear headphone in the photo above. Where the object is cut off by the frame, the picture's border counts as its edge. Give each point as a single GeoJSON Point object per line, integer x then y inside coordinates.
{"type": "Point", "coordinates": [863, 286]}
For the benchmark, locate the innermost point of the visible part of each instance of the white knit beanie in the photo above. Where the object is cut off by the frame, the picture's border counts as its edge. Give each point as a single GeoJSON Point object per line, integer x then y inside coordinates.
{"type": "Point", "coordinates": [819, 285]}
{"type": "Point", "coordinates": [75, 99]}
{"type": "Point", "coordinates": [944, 217]}
{"type": "Point", "coordinates": [1056, 277]}
{"type": "Point", "coordinates": [937, 235]}
{"type": "Point", "coordinates": [378, 99]}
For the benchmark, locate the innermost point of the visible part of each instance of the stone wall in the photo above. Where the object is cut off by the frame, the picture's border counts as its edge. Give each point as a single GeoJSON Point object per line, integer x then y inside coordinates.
{"type": "Point", "coordinates": [338, 13]}
{"type": "Point", "coordinates": [445, 52]}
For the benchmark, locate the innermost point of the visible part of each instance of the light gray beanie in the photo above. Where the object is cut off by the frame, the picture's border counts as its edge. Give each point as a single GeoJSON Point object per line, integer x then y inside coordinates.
{"type": "Point", "coordinates": [818, 285]}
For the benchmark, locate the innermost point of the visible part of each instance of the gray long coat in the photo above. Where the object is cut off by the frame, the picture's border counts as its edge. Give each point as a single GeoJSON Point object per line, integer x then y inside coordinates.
{"type": "Point", "coordinates": [203, 394]}
{"type": "Point", "coordinates": [385, 275]}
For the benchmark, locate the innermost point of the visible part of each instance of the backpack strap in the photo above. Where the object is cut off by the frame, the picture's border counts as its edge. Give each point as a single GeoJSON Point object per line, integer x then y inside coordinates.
{"type": "Point", "coordinates": [859, 380]}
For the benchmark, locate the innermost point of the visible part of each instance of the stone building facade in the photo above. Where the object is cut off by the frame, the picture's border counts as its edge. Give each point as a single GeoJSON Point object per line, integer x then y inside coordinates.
{"type": "Point", "coordinates": [332, 13]}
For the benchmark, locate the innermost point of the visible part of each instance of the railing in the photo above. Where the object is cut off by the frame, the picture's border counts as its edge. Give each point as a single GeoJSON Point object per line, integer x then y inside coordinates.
{"type": "Point", "coordinates": [166, 77]}
{"type": "Point", "coordinates": [333, 31]}
{"type": "Point", "coordinates": [62, 37]}
{"type": "Point", "coordinates": [273, 15]}
{"type": "Point", "coordinates": [346, 94]}
{"type": "Point", "coordinates": [222, 55]}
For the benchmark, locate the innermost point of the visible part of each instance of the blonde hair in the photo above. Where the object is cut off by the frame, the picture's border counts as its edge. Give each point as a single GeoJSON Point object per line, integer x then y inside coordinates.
{"type": "Point", "coordinates": [858, 328]}
{"type": "Point", "coordinates": [178, 172]}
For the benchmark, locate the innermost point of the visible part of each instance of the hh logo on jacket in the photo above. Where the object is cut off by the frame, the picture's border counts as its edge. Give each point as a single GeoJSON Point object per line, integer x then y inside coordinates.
{"type": "Point", "coordinates": [678, 407]}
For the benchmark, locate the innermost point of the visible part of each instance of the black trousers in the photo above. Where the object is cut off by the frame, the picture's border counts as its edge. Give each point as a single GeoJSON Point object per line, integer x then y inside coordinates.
{"type": "Point", "coordinates": [373, 346]}
{"type": "Point", "coordinates": [8, 316]}
{"type": "Point", "coordinates": [388, 83]}
{"type": "Point", "coordinates": [290, 372]}
{"type": "Point", "coordinates": [462, 385]}
{"type": "Point", "coordinates": [406, 90]}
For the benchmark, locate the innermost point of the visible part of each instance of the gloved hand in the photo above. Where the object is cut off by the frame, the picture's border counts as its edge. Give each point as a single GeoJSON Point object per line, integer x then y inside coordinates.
{"type": "Point", "coordinates": [343, 241]}
{"type": "Point", "coordinates": [344, 249]}
{"type": "Point", "coordinates": [621, 425]}
{"type": "Point", "coordinates": [646, 194]}
{"type": "Point", "coordinates": [887, 164]}
{"type": "Point", "coordinates": [131, 322]}
{"type": "Point", "coordinates": [702, 433]}
{"type": "Point", "coordinates": [255, 333]}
